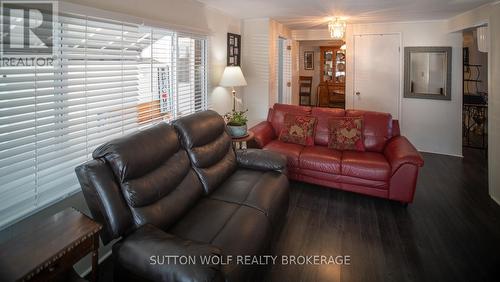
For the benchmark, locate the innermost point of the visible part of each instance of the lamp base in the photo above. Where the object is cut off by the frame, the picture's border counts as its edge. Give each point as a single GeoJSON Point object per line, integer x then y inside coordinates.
{"type": "Point", "coordinates": [234, 99]}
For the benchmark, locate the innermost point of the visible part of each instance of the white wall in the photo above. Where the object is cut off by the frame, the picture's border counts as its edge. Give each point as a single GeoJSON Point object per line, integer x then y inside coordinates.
{"type": "Point", "coordinates": [431, 125]}
{"type": "Point", "coordinates": [187, 15]}
{"type": "Point", "coordinates": [220, 24]}
{"type": "Point", "coordinates": [259, 65]}
{"type": "Point", "coordinates": [489, 14]}
{"type": "Point", "coordinates": [255, 67]}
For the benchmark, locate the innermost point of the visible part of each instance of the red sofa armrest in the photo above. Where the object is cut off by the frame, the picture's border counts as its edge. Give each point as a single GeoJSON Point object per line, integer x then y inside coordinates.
{"type": "Point", "coordinates": [263, 133]}
{"type": "Point", "coordinates": [400, 151]}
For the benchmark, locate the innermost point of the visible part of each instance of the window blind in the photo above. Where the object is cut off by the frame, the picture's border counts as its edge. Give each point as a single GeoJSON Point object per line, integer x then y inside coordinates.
{"type": "Point", "coordinates": [191, 69]}
{"type": "Point", "coordinates": [108, 79]}
{"type": "Point", "coordinates": [52, 117]}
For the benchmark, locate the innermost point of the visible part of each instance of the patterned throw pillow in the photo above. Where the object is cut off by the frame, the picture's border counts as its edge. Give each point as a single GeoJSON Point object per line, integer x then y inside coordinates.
{"type": "Point", "coordinates": [298, 129]}
{"type": "Point", "coordinates": [346, 133]}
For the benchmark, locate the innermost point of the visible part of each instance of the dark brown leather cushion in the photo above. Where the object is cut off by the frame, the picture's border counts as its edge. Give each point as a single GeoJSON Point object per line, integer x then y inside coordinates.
{"type": "Point", "coordinates": [155, 174]}
{"type": "Point", "coordinates": [261, 160]}
{"type": "Point", "coordinates": [209, 146]}
{"type": "Point", "coordinates": [235, 229]}
{"type": "Point", "coordinates": [266, 191]}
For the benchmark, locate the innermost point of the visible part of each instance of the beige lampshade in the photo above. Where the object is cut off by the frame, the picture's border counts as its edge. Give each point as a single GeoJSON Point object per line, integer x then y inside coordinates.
{"type": "Point", "coordinates": [232, 76]}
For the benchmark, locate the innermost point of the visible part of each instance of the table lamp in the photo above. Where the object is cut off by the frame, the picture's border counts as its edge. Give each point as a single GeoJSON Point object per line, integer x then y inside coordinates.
{"type": "Point", "coordinates": [233, 77]}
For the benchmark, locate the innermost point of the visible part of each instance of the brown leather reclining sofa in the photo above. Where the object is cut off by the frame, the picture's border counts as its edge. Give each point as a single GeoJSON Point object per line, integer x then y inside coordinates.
{"type": "Point", "coordinates": [182, 190]}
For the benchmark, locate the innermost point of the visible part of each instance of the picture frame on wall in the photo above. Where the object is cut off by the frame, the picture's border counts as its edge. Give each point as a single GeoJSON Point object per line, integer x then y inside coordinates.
{"type": "Point", "coordinates": [233, 49]}
{"type": "Point", "coordinates": [308, 60]}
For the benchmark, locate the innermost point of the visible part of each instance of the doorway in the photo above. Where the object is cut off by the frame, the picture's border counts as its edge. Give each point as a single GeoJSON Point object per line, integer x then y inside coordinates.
{"type": "Point", "coordinates": [475, 88]}
{"type": "Point", "coordinates": [377, 90]}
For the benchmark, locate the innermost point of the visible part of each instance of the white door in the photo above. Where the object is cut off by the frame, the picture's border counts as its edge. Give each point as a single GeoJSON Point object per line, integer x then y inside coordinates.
{"type": "Point", "coordinates": [377, 77]}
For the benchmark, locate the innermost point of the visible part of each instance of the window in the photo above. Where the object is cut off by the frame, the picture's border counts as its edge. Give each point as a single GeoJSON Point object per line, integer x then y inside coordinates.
{"type": "Point", "coordinates": [108, 79]}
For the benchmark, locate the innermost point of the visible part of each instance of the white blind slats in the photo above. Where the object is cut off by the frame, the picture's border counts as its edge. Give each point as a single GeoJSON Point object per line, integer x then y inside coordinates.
{"type": "Point", "coordinates": [105, 82]}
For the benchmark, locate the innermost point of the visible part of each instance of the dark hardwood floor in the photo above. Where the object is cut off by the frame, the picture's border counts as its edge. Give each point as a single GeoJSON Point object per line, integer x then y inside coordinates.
{"type": "Point", "coordinates": [450, 233]}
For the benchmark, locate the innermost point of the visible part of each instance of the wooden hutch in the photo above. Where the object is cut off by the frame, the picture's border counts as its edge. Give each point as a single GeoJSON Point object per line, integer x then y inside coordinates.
{"type": "Point", "coordinates": [331, 89]}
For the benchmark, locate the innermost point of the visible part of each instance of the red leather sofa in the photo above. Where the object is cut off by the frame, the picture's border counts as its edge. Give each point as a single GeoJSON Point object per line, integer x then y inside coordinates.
{"type": "Point", "coordinates": [387, 169]}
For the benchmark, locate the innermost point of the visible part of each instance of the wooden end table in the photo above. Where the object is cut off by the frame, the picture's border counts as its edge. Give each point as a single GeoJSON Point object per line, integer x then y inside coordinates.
{"type": "Point", "coordinates": [241, 143]}
{"type": "Point", "coordinates": [50, 248]}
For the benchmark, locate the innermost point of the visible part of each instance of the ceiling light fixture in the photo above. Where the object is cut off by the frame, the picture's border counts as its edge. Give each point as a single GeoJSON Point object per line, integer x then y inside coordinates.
{"type": "Point", "coordinates": [337, 28]}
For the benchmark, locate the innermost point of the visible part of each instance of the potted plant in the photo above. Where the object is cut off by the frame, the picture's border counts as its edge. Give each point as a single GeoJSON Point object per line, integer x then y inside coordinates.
{"type": "Point", "coordinates": [237, 123]}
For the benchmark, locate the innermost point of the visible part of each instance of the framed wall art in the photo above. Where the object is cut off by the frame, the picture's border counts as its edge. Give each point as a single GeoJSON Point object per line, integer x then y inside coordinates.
{"type": "Point", "coordinates": [308, 60]}
{"type": "Point", "coordinates": [233, 49]}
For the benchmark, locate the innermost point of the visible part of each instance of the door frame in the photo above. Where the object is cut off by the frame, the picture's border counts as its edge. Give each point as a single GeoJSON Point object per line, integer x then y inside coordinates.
{"type": "Point", "coordinates": [401, 61]}
{"type": "Point", "coordinates": [284, 55]}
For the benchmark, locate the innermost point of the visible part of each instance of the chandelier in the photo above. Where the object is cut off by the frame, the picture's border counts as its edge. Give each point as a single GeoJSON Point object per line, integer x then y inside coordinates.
{"type": "Point", "coordinates": [337, 28]}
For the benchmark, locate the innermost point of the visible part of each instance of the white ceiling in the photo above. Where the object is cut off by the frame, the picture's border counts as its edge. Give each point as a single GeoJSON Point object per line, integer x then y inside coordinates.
{"type": "Point", "coordinates": [310, 14]}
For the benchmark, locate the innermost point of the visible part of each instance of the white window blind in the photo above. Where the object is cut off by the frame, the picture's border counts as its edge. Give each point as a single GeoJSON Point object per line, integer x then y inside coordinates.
{"type": "Point", "coordinates": [107, 81]}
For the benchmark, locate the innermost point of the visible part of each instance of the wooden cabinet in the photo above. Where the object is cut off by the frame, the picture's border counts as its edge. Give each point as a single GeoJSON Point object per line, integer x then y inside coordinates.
{"type": "Point", "coordinates": [331, 90]}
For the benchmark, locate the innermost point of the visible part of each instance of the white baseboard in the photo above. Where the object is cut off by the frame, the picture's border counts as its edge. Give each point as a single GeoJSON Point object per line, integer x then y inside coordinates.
{"type": "Point", "coordinates": [438, 153]}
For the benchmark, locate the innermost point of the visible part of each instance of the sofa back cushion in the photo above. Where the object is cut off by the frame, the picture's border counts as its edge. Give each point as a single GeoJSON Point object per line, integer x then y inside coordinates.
{"type": "Point", "coordinates": [279, 112]}
{"type": "Point", "coordinates": [154, 175]}
{"type": "Point", "coordinates": [209, 146]}
{"type": "Point", "coordinates": [321, 134]}
{"type": "Point", "coordinates": [377, 128]}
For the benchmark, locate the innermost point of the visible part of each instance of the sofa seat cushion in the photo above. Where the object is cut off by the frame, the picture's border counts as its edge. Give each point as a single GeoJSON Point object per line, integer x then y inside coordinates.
{"type": "Point", "coordinates": [340, 181]}
{"type": "Point", "coordinates": [321, 158]}
{"type": "Point", "coordinates": [366, 165]}
{"type": "Point", "coordinates": [266, 191]}
{"type": "Point", "coordinates": [291, 151]}
{"type": "Point", "coordinates": [234, 228]}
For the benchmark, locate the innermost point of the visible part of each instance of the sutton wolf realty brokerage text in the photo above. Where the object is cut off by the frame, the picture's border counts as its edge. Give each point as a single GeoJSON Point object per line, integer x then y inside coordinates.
{"type": "Point", "coordinates": [249, 260]}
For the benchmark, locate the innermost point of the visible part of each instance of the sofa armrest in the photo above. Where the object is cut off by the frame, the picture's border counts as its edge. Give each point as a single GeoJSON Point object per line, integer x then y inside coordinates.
{"type": "Point", "coordinates": [263, 133]}
{"type": "Point", "coordinates": [400, 151]}
{"type": "Point", "coordinates": [153, 254]}
{"type": "Point", "coordinates": [261, 160]}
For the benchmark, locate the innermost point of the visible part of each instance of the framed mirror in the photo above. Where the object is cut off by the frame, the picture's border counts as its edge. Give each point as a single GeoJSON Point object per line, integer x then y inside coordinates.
{"type": "Point", "coordinates": [427, 73]}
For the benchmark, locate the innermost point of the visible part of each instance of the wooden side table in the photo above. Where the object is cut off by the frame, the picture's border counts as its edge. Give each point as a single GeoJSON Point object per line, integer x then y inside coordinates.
{"type": "Point", "coordinates": [241, 143]}
{"type": "Point", "coordinates": [48, 251]}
